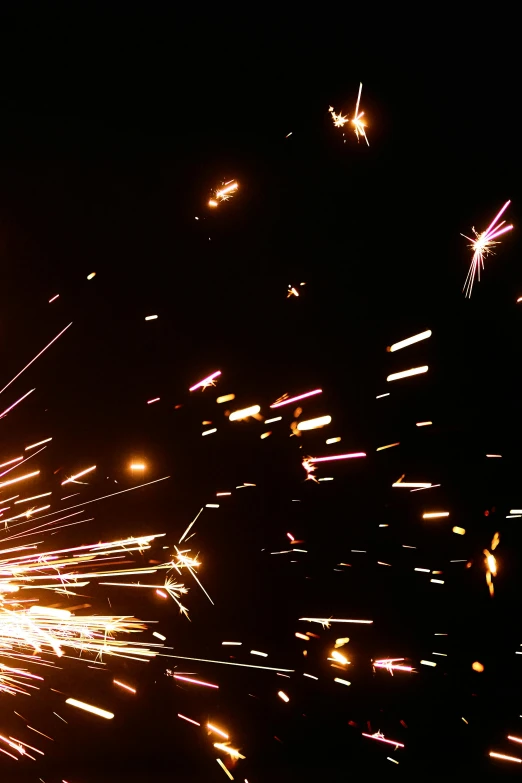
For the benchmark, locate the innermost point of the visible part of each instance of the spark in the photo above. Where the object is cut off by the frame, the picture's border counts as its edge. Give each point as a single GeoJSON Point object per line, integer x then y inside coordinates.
{"type": "Point", "coordinates": [436, 514]}
{"type": "Point", "coordinates": [389, 446]}
{"type": "Point", "coordinates": [211, 505]}
{"type": "Point", "coordinates": [159, 636]}
{"type": "Point", "coordinates": [256, 652]}
{"type": "Point", "coordinates": [313, 424]}
{"type": "Point", "coordinates": [282, 695]}
{"type": "Point", "coordinates": [311, 676]}
{"type": "Point", "coordinates": [184, 717]}
{"type": "Point", "coordinates": [342, 682]}
{"type": "Point", "coordinates": [35, 358]}
{"type": "Point", "coordinates": [217, 731]}
{"type": "Point", "coordinates": [409, 341]}
{"type": "Point", "coordinates": [407, 373]}
{"type": "Point", "coordinates": [19, 478]}
{"type": "Point", "coordinates": [34, 445]}
{"type": "Point", "coordinates": [408, 484]}
{"type": "Point", "coordinates": [225, 398]}
{"type": "Point", "coordinates": [380, 737]}
{"type": "Point", "coordinates": [504, 758]}
{"type": "Point", "coordinates": [137, 466]}
{"type": "Point", "coordinates": [477, 666]}
{"type": "Point", "coordinates": [428, 663]}
{"type": "Point", "coordinates": [123, 685]}
{"type": "Point", "coordinates": [79, 475]}
{"type": "Point", "coordinates": [10, 462]}
{"type": "Point", "coordinates": [498, 456]}
{"type": "Point", "coordinates": [10, 408]}
{"type": "Point", "coordinates": [459, 531]}
{"type": "Point", "coordinates": [491, 564]}
{"type": "Point", "coordinates": [387, 394]}
{"type": "Point", "coordinates": [229, 663]}
{"type": "Point", "coordinates": [232, 643]}
{"type": "Point", "coordinates": [222, 765]}
{"type": "Point", "coordinates": [53, 298]}
{"type": "Point", "coordinates": [423, 423]}
{"type": "Point", "coordinates": [302, 636]}
{"type": "Point", "coordinates": [34, 497]}
{"type": "Point", "coordinates": [514, 739]}
{"type": "Point", "coordinates": [276, 418]}
{"type": "Point", "coordinates": [151, 317]}
{"type": "Point", "coordinates": [285, 400]}
{"type": "Point", "coordinates": [329, 441]}
{"type": "Point", "coordinates": [357, 121]}
{"type": "Point", "coordinates": [235, 754]}
{"type": "Point", "coordinates": [91, 275]}
{"type": "Point", "coordinates": [209, 432]}
{"type": "Point", "coordinates": [222, 494]}
{"type": "Point", "coordinates": [244, 413]}
{"type": "Point", "coordinates": [90, 708]}
{"type": "Point", "coordinates": [482, 246]}
{"type": "Point", "coordinates": [437, 581]}
{"type": "Point", "coordinates": [265, 435]}
{"type": "Point", "coordinates": [338, 119]}
{"type": "Point", "coordinates": [154, 399]}
{"type": "Point", "coordinates": [339, 657]}
{"type": "Point", "coordinates": [353, 455]}
{"type": "Point", "coordinates": [292, 292]}
{"type": "Point", "coordinates": [208, 381]}
{"type": "Point", "coordinates": [194, 682]}
{"type": "Point", "coordinates": [325, 621]}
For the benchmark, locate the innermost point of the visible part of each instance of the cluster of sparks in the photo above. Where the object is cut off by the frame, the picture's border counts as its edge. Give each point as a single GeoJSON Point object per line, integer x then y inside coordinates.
{"type": "Point", "coordinates": [224, 193]}
{"type": "Point", "coordinates": [359, 125]}
{"type": "Point", "coordinates": [482, 246]}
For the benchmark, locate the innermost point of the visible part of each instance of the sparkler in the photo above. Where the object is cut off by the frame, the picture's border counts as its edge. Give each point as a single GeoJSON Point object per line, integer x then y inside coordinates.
{"type": "Point", "coordinates": [224, 193]}
{"type": "Point", "coordinates": [482, 246]}
{"type": "Point", "coordinates": [286, 400]}
{"type": "Point", "coordinates": [338, 119]}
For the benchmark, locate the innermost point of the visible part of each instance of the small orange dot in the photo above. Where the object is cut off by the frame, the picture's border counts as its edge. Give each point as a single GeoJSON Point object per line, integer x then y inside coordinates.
{"type": "Point", "coordinates": [477, 666]}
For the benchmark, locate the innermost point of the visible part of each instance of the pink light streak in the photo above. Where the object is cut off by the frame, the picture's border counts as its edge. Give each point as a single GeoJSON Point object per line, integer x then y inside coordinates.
{"type": "Point", "coordinates": [295, 399]}
{"type": "Point", "coordinates": [53, 298]}
{"type": "Point", "coordinates": [382, 739]}
{"type": "Point", "coordinates": [4, 413]}
{"type": "Point", "coordinates": [35, 358]}
{"type": "Point", "coordinates": [184, 717]}
{"type": "Point", "coordinates": [353, 455]}
{"type": "Point", "coordinates": [154, 399]}
{"type": "Point", "coordinates": [205, 381]}
{"type": "Point", "coordinates": [195, 682]}
{"type": "Point", "coordinates": [481, 247]}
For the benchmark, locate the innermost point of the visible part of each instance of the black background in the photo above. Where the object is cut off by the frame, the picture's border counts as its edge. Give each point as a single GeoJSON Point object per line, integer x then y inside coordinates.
{"type": "Point", "coordinates": [116, 124]}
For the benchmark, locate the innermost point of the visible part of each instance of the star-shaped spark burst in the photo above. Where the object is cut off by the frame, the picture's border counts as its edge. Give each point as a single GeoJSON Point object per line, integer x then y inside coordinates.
{"type": "Point", "coordinates": [309, 467]}
{"type": "Point", "coordinates": [482, 246]}
{"type": "Point", "coordinates": [338, 119]}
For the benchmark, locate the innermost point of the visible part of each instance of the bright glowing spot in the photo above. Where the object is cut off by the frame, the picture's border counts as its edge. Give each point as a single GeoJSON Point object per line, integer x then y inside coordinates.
{"type": "Point", "coordinates": [270, 421]}
{"type": "Point", "coordinates": [235, 644]}
{"type": "Point", "coordinates": [256, 652]}
{"type": "Point", "coordinates": [265, 435]}
{"type": "Point", "coordinates": [137, 466]}
{"type": "Point", "coordinates": [302, 636]}
{"type": "Point", "coordinates": [410, 340]}
{"type": "Point", "coordinates": [244, 413]}
{"type": "Point", "coordinates": [287, 400]}
{"type": "Point", "coordinates": [395, 376]}
{"type": "Point", "coordinates": [209, 432]}
{"type": "Point", "coordinates": [211, 505]}
{"type": "Point", "coordinates": [313, 424]}
{"type": "Point", "coordinates": [34, 497]}
{"type": "Point", "coordinates": [282, 695]}
{"type": "Point", "coordinates": [425, 570]}
{"type": "Point", "coordinates": [497, 456]}
{"type": "Point", "coordinates": [90, 708]}
{"type": "Point", "coordinates": [342, 682]}
{"type": "Point", "coordinates": [226, 398]}
{"type": "Point", "coordinates": [93, 274]}
{"type": "Point", "coordinates": [436, 514]}
{"type": "Point", "coordinates": [159, 636]}
{"type": "Point", "coordinates": [53, 298]}
{"type": "Point", "coordinates": [437, 581]}
{"type": "Point", "coordinates": [382, 395]}
{"type": "Point", "coordinates": [151, 317]}
{"type": "Point", "coordinates": [477, 666]}
{"type": "Point", "coordinates": [428, 663]}
{"type": "Point", "coordinates": [459, 531]}
{"type": "Point", "coordinates": [339, 657]}
{"type": "Point", "coordinates": [154, 399]}
{"type": "Point", "coordinates": [332, 440]}
{"type": "Point", "coordinates": [217, 731]}
{"type": "Point", "coordinates": [423, 423]}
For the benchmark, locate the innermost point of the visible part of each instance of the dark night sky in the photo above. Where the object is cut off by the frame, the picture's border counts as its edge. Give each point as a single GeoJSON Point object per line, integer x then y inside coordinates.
{"type": "Point", "coordinates": [115, 124]}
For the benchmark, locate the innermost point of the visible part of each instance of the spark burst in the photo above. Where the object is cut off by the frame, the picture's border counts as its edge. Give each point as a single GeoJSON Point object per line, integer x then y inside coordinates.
{"type": "Point", "coordinates": [482, 246]}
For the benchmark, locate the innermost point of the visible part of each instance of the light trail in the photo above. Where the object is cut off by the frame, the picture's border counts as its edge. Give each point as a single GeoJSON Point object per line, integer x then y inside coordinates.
{"type": "Point", "coordinates": [189, 720]}
{"type": "Point", "coordinates": [436, 514]}
{"type": "Point", "coordinates": [228, 774]}
{"type": "Point", "coordinates": [282, 695]}
{"type": "Point", "coordinates": [482, 246]}
{"type": "Point", "coordinates": [35, 358]}
{"type": "Point", "coordinates": [395, 376]}
{"type": "Point", "coordinates": [208, 381]}
{"type": "Point", "coordinates": [19, 478]}
{"type": "Point", "coordinates": [90, 708]}
{"type": "Point", "coordinates": [34, 445]}
{"type": "Point", "coordinates": [194, 682]}
{"type": "Point", "coordinates": [225, 398]}
{"type": "Point", "coordinates": [79, 475]}
{"type": "Point", "coordinates": [353, 455]}
{"type": "Point", "coordinates": [244, 413]}
{"type": "Point", "coordinates": [381, 738]}
{"type": "Point", "coordinates": [313, 424]}
{"type": "Point", "coordinates": [288, 400]}
{"type": "Point", "coordinates": [4, 413]}
{"type": "Point", "coordinates": [409, 341]}
{"type": "Point", "coordinates": [504, 757]}
{"type": "Point", "coordinates": [230, 663]}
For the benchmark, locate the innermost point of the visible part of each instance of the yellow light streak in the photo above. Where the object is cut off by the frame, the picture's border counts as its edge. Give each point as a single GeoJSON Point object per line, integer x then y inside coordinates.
{"type": "Point", "coordinates": [92, 274]}
{"type": "Point", "coordinates": [332, 440]}
{"type": "Point", "coordinates": [423, 423]}
{"type": "Point", "coordinates": [123, 685]}
{"type": "Point", "coordinates": [436, 514]}
{"type": "Point", "coordinates": [90, 708]}
{"type": "Point", "coordinates": [313, 424]}
{"type": "Point", "coordinates": [342, 682]}
{"type": "Point", "coordinates": [217, 731]}
{"type": "Point", "coordinates": [459, 531]}
{"type": "Point", "coordinates": [244, 413]}
{"type": "Point", "coordinates": [224, 746]}
{"type": "Point", "coordinates": [389, 446]}
{"type": "Point", "coordinates": [225, 398]}
{"type": "Point", "coordinates": [137, 466]}
{"type": "Point", "coordinates": [410, 340]}
{"type": "Point", "coordinates": [396, 376]}
{"type": "Point", "coordinates": [219, 760]}
{"type": "Point", "coordinates": [209, 432]}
